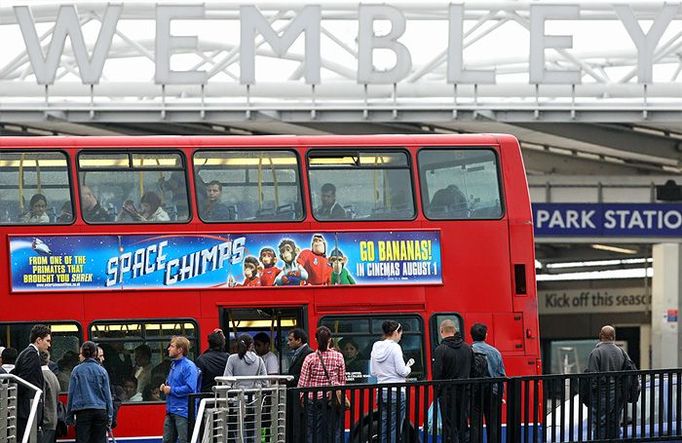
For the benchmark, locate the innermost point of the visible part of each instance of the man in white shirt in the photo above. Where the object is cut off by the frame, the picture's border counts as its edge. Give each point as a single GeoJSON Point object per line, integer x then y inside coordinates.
{"type": "Point", "coordinates": [261, 343]}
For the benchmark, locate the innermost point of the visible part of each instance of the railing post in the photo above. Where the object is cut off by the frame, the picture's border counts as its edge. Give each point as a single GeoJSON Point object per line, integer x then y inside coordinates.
{"type": "Point", "coordinates": [514, 410]}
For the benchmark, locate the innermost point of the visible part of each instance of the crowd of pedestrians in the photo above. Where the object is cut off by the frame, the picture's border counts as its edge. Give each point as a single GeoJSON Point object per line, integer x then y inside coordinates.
{"type": "Point", "coordinates": [93, 398]}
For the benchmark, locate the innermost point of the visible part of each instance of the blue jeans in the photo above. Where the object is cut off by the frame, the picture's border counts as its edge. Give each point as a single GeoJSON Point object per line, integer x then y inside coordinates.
{"type": "Point", "coordinates": [392, 404]}
{"type": "Point", "coordinates": [175, 429]}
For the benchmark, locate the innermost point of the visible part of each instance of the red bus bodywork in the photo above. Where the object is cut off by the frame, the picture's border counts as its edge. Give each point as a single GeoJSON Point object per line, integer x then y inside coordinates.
{"type": "Point", "coordinates": [478, 257]}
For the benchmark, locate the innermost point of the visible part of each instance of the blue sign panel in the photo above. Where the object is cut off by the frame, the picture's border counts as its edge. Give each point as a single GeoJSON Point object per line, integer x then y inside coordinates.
{"type": "Point", "coordinates": [607, 220]}
{"type": "Point", "coordinates": [224, 260]}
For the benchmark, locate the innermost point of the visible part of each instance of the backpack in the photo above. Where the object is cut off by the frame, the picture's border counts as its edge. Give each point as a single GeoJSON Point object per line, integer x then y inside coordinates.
{"type": "Point", "coordinates": [479, 365]}
{"type": "Point", "coordinates": [633, 384]}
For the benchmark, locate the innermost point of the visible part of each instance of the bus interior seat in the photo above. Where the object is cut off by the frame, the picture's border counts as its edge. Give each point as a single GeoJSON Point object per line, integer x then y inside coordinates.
{"type": "Point", "coordinates": [487, 212]}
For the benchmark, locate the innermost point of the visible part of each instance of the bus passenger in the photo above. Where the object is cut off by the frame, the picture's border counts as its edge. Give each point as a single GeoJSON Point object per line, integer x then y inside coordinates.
{"type": "Point", "coordinates": [325, 367]}
{"type": "Point", "coordinates": [65, 213]}
{"type": "Point", "coordinates": [449, 201]}
{"type": "Point", "coordinates": [150, 209]}
{"type": "Point", "coordinates": [351, 355]}
{"type": "Point", "coordinates": [388, 366]}
{"type": "Point", "coordinates": [143, 367]}
{"type": "Point", "coordinates": [214, 209]}
{"type": "Point", "coordinates": [36, 213]}
{"type": "Point", "coordinates": [261, 343]}
{"type": "Point", "coordinates": [92, 211]}
{"type": "Point", "coordinates": [130, 389]}
{"type": "Point", "coordinates": [329, 207]}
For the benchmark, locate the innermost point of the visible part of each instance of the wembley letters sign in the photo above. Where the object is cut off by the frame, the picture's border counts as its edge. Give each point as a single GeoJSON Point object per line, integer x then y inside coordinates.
{"type": "Point", "coordinates": [306, 22]}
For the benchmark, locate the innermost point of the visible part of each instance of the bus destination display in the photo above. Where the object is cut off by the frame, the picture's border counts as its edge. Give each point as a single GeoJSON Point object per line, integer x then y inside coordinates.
{"type": "Point", "coordinates": [125, 262]}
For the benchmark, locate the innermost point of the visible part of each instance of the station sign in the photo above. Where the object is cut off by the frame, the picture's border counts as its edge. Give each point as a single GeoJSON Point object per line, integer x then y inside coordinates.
{"type": "Point", "coordinates": [224, 260]}
{"type": "Point", "coordinates": [591, 301]}
{"type": "Point", "coordinates": [607, 220]}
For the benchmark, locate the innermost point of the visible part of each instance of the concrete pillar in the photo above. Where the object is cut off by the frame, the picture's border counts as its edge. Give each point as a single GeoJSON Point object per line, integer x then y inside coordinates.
{"type": "Point", "coordinates": [665, 306]}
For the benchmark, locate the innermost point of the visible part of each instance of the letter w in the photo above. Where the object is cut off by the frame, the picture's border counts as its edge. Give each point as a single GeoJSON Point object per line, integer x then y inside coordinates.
{"type": "Point", "coordinates": [252, 21]}
{"type": "Point", "coordinates": [67, 23]}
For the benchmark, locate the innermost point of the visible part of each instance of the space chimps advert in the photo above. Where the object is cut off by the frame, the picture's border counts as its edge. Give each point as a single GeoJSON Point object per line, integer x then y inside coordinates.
{"type": "Point", "coordinates": [218, 260]}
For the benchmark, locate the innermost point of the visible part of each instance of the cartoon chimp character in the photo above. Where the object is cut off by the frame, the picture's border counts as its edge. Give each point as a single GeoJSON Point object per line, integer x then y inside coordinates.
{"type": "Point", "coordinates": [292, 273]}
{"type": "Point", "coordinates": [314, 260]}
{"type": "Point", "coordinates": [268, 270]}
{"type": "Point", "coordinates": [340, 274]}
{"type": "Point", "coordinates": [250, 273]}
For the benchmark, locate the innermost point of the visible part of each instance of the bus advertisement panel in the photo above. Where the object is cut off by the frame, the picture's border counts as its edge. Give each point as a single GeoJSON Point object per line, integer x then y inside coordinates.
{"type": "Point", "coordinates": [224, 260]}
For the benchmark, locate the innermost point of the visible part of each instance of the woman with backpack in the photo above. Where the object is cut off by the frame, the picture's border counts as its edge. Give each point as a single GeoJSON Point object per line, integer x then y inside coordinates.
{"type": "Point", "coordinates": [324, 367]}
{"type": "Point", "coordinates": [388, 366]}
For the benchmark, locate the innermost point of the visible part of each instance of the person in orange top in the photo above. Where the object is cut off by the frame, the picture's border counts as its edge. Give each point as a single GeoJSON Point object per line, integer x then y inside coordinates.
{"type": "Point", "coordinates": [314, 260]}
{"type": "Point", "coordinates": [268, 270]}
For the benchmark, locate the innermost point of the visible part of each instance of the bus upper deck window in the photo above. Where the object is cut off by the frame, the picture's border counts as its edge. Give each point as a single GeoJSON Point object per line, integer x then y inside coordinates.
{"type": "Point", "coordinates": [361, 185]}
{"type": "Point", "coordinates": [253, 185]}
{"type": "Point", "coordinates": [458, 184]}
{"type": "Point", "coordinates": [133, 187]}
{"type": "Point", "coordinates": [35, 188]}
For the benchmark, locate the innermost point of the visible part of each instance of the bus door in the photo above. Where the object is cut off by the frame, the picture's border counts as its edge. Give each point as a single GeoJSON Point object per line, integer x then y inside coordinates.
{"type": "Point", "coordinates": [272, 322]}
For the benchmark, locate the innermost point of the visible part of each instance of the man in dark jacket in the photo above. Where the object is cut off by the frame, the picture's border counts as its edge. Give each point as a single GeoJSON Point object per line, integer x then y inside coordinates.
{"type": "Point", "coordinates": [29, 367]}
{"type": "Point", "coordinates": [212, 362]}
{"type": "Point", "coordinates": [452, 360]}
{"type": "Point", "coordinates": [297, 340]}
{"type": "Point", "coordinates": [607, 411]}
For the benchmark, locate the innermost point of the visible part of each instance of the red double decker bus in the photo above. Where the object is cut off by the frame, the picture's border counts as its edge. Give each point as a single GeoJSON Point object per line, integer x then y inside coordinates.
{"type": "Point", "coordinates": [128, 241]}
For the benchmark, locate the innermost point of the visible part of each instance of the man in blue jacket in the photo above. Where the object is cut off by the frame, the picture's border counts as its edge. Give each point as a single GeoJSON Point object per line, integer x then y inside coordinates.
{"type": "Point", "coordinates": [182, 380]}
{"type": "Point", "coordinates": [90, 405]}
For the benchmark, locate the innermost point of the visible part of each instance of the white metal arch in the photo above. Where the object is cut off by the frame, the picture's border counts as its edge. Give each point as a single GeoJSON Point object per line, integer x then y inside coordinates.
{"type": "Point", "coordinates": [609, 88]}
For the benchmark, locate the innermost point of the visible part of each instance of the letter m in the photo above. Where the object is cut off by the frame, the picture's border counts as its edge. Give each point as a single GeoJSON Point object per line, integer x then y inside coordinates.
{"type": "Point", "coordinates": [67, 23]}
{"type": "Point", "coordinates": [252, 22]}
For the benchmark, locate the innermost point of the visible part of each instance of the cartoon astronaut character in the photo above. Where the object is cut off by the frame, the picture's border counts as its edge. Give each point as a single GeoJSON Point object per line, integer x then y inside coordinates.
{"type": "Point", "coordinates": [293, 274]}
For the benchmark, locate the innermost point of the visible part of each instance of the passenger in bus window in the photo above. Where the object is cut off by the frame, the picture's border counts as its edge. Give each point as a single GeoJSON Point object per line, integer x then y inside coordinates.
{"type": "Point", "coordinates": [37, 210]}
{"type": "Point", "coordinates": [130, 388]}
{"type": "Point", "coordinates": [449, 201]}
{"type": "Point", "coordinates": [351, 355]}
{"type": "Point", "coordinates": [143, 367]}
{"type": "Point", "coordinates": [214, 209]}
{"type": "Point", "coordinates": [329, 207]}
{"type": "Point", "coordinates": [150, 209]}
{"type": "Point", "coordinates": [65, 213]}
{"type": "Point", "coordinates": [92, 211]}
{"type": "Point", "coordinates": [174, 187]}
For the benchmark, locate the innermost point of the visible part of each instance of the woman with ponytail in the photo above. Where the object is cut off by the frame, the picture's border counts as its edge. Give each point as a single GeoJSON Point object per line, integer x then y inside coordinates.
{"type": "Point", "coordinates": [325, 367]}
{"type": "Point", "coordinates": [245, 363]}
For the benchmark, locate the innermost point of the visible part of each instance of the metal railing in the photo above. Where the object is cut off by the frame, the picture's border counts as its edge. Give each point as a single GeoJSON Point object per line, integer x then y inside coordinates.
{"type": "Point", "coordinates": [548, 408]}
{"type": "Point", "coordinates": [243, 409]}
{"type": "Point", "coordinates": [9, 389]}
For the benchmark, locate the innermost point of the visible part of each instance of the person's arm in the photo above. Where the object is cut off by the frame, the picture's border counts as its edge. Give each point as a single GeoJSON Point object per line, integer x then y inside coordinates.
{"type": "Point", "coordinates": [437, 365]}
{"type": "Point", "coordinates": [502, 372]}
{"type": "Point", "coordinates": [341, 372]}
{"type": "Point", "coordinates": [304, 379]}
{"type": "Point", "coordinates": [106, 390]}
{"type": "Point", "coordinates": [399, 363]}
{"type": "Point", "coordinates": [69, 405]}
{"type": "Point", "coordinates": [229, 370]}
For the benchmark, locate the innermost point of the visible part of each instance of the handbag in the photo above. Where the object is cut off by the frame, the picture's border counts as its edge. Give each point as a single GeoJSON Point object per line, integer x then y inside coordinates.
{"type": "Point", "coordinates": [339, 401]}
{"type": "Point", "coordinates": [633, 384]}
